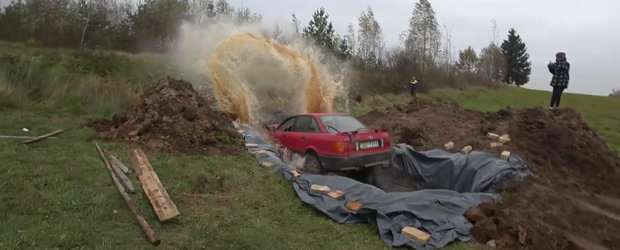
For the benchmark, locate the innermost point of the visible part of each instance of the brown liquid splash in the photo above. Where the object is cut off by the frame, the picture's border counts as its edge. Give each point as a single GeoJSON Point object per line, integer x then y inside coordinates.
{"type": "Point", "coordinates": [235, 99]}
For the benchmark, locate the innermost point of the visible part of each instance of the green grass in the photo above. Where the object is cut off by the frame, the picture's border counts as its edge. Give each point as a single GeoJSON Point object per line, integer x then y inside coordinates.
{"type": "Point", "coordinates": [57, 194]}
{"type": "Point", "coordinates": [602, 113]}
{"type": "Point", "coordinates": [75, 82]}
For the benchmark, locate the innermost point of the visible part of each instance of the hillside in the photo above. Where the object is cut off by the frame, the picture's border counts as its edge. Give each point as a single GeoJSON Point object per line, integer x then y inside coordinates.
{"type": "Point", "coordinates": [57, 194]}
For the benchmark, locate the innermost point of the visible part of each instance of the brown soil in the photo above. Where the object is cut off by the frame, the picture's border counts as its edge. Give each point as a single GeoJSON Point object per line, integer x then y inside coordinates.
{"type": "Point", "coordinates": [571, 202]}
{"type": "Point", "coordinates": [172, 117]}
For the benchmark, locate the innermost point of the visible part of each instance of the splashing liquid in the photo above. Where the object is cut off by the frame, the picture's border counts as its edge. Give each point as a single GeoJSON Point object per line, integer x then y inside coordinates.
{"type": "Point", "coordinates": [236, 96]}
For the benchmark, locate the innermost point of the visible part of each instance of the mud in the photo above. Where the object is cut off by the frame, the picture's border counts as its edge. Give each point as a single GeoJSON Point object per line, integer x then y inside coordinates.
{"type": "Point", "coordinates": [172, 117]}
{"type": "Point", "coordinates": [571, 202]}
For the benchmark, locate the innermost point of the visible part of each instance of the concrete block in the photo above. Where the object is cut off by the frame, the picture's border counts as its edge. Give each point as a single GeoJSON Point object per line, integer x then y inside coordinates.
{"type": "Point", "coordinates": [467, 149]}
{"type": "Point", "coordinates": [493, 136]}
{"type": "Point", "coordinates": [260, 153]}
{"type": "Point", "coordinates": [295, 174]}
{"type": "Point", "coordinates": [416, 234]}
{"type": "Point", "coordinates": [505, 155]}
{"type": "Point", "coordinates": [496, 144]}
{"type": "Point", "coordinates": [449, 145]}
{"type": "Point", "coordinates": [319, 189]}
{"type": "Point", "coordinates": [267, 164]}
{"type": "Point", "coordinates": [353, 206]}
{"type": "Point", "coordinates": [504, 139]}
{"type": "Point", "coordinates": [336, 194]}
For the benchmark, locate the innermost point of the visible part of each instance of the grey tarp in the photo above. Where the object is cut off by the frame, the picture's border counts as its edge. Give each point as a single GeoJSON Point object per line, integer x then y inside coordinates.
{"type": "Point", "coordinates": [437, 211]}
{"type": "Point", "coordinates": [473, 172]}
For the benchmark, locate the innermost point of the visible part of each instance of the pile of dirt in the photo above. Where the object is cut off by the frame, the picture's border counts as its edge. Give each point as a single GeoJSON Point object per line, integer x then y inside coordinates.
{"type": "Point", "coordinates": [571, 202]}
{"type": "Point", "coordinates": [172, 117]}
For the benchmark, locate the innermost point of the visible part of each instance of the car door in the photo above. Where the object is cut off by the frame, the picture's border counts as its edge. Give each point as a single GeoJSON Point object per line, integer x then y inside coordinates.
{"type": "Point", "coordinates": [308, 132]}
{"type": "Point", "coordinates": [299, 134]}
{"type": "Point", "coordinates": [283, 132]}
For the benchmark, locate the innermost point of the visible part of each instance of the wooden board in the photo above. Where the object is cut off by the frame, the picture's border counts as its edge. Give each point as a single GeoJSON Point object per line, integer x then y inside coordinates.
{"type": "Point", "coordinates": [154, 190]}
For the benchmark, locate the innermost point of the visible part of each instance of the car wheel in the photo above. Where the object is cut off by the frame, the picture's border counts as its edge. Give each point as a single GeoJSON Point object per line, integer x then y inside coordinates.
{"type": "Point", "coordinates": [312, 164]}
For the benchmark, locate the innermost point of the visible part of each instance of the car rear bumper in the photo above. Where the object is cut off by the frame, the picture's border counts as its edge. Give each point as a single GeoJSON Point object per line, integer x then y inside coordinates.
{"type": "Point", "coordinates": [339, 163]}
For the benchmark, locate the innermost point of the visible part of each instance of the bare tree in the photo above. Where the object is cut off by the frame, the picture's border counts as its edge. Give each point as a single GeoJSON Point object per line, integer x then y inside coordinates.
{"type": "Point", "coordinates": [370, 38]}
{"type": "Point", "coordinates": [424, 37]}
{"type": "Point", "coordinates": [350, 38]}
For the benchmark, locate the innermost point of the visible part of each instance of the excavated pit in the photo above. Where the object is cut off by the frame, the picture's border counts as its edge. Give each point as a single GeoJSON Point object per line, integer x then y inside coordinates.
{"type": "Point", "coordinates": [571, 202]}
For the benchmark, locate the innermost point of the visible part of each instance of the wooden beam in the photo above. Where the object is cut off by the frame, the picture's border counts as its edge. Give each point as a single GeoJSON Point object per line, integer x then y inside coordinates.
{"type": "Point", "coordinates": [118, 163]}
{"type": "Point", "coordinates": [126, 181]}
{"type": "Point", "coordinates": [21, 137]}
{"type": "Point", "coordinates": [154, 190]}
{"type": "Point", "coordinates": [42, 137]}
{"type": "Point", "coordinates": [150, 233]}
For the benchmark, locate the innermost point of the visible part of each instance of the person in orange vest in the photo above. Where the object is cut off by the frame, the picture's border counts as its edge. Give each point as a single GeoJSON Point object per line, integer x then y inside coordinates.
{"type": "Point", "coordinates": [413, 86]}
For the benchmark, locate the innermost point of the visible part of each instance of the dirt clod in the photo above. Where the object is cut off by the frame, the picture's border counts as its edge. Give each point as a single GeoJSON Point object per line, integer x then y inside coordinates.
{"type": "Point", "coordinates": [172, 117]}
{"type": "Point", "coordinates": [571, 202]}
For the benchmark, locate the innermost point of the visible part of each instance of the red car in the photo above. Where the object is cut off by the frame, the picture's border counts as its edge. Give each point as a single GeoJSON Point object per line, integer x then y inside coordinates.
{"type": "Point", "coordinates": [333, 142]}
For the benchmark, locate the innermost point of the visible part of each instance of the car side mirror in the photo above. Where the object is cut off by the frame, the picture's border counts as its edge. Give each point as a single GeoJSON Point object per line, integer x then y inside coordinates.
{"type": "Point", "coordinates": [271, 128]}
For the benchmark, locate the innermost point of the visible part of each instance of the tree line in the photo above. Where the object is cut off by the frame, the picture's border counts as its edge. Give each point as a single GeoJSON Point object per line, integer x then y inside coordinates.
{"type": "Point", "coordinates": [145, 26]}
{"type": "Point", "coordinates": [426, 53]}
{"type": "Point", "coordinates": [151, 25]}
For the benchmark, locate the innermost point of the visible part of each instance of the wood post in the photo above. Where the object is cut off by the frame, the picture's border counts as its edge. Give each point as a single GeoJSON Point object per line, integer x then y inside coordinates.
{"type": "Point", "coordinates": [42, 137]}
{"type": "Point", "coordinates": [150, 233]}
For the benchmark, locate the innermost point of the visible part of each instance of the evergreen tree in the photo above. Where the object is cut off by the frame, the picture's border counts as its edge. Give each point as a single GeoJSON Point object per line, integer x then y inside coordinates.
{"type": "Point", "coordinates": [517, 60]}
{"type": "Point", "coordinates": [320, 29]}
{"type": "Point", "coordinates": [343, 50]}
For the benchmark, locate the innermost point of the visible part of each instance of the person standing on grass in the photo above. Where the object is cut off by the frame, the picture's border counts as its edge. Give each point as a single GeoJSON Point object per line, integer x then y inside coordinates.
{"type": "Point", "coordinates": [413, 86]}
{"type": "Point", "coordinates": [559, 82]}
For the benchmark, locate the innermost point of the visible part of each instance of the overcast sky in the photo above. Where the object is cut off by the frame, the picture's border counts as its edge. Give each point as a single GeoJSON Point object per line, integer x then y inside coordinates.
{"type": "Point", "coordinates": [588, 31]}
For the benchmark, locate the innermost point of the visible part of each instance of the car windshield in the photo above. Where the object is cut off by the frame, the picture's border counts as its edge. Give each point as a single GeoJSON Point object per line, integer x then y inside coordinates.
{"type": "Point", "coordinates": [340, 123]}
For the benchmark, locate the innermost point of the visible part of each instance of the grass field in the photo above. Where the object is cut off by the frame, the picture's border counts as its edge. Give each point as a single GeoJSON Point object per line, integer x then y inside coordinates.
{"type": "Point", "coordinates": [57, 193]}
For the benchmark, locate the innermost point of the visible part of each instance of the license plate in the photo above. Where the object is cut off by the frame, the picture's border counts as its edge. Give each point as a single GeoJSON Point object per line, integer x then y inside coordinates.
{"type": "Point", "coordinates": [369, 144]}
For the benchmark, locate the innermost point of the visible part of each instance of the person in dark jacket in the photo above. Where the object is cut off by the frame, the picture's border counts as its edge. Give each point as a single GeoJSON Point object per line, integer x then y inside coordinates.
{"type": "Point", "coordinates": [413, 86]}
{"type": "Point", "coordinates": [559, 82]}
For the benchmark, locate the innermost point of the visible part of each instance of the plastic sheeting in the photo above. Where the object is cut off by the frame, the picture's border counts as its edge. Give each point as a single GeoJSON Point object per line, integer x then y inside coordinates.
{"type": "Point", "coordinates": [473, 172]}
{"type": "Point", "coordinates": [437, 211]}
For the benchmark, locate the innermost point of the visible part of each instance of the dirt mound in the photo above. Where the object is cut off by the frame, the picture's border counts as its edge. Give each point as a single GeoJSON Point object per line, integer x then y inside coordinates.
{"type": "Point", "coordinates": [571, 202]}
{"type": "Point", "coordinates": [172, 117]}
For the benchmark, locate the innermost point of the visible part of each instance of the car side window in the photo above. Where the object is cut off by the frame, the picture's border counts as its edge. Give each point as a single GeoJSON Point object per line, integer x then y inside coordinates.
{"type": "Point", "coordinates": [306, 124]}
{"type": "Point", "coordinates": [288, 124]}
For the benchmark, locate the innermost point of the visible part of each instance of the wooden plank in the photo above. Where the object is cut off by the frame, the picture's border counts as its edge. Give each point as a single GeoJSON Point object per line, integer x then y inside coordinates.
{"type": "Point", "coordinates": [416, 234]}
{"type": "Point", "coordinates": [42, 137]}
{"type": "Point", "coordinates": [150, 233]}
{"type": "Point", "coordinates": [21, 137]}
{"type": "Point", "coordinates": [154, 190]}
